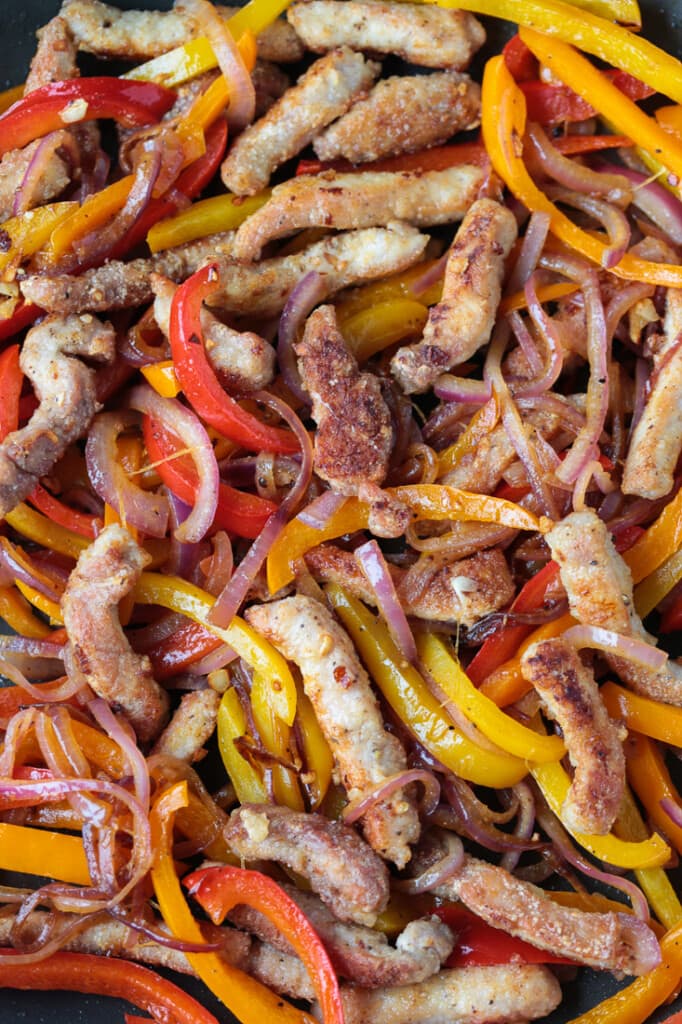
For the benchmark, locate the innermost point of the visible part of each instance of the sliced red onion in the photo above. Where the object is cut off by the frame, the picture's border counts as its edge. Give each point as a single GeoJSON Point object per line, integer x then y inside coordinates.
{"type": "Point", "coordinates": [242, 106]}
{"type": "Point", "coordinates": [531, 249]}
{"type": "Point", "coordinates": [38, 660]}
{"type": "Point", "coordinates": [444, 868]}
{"type": "Point", "coordinates": [27, 195]}
{"type": "Point", "coordinates": [48, 944]}
{"type": "Point", "coordinates": [94, 179]}
{"type": "Point", "coordinates": [307, 294]}
{"type": "Point", "coordinates": [612, 219]}
{"type": "Point", "coordinates": [121, 733]}
{"type": "Point", "coordinates": [464, 814]}
{"type": "Point", "coordinates": [180, 421]}
{"type": "Point", "coordinates": [576, 176]}
{"type": "Point", "coordinates": [548, 374]}
{"type": "Point", "coordinates": [183, 558]}
{"type": "Point", "coordinates": [143, 509]}
{"type": "Point", "coordinates": [68, 689]}
{"type": "Point", "coordinates": [430, 277]}
{"type": "Point", "coordinates": [218, 568]}
{"type": "Point", "coordinates": [621, 646]}
{"type": "Point", "coordinates": [137, 347]}
{"type": "Point", "coordinates": [381, 791]}
{"type": "Point", "coordinates": [525, 822]}
{"type": "Point", "coordinates": [321, 509]}
{"type": "Point", "coordinates": [462, 389]}
{"type": "Point", "coordinates": [623, 300]}
{"type": "Point", "coordinates": [212, 662]}
{"type": "Point", "coordinates": [571, 419]}
{"type": "Point", "coordinates": [660, 205]}
{"type": "Point", "coordinates": [673, 810]}
{"type": "Point", "coordinates": [161, 938]}
{"type": "Point", "coordinates": [373, 564]}
{"type": "Point", "coordinates": [144, 639]}
{"type": "Point", "coordinates": [526, 342]}
{"type": "Point", "coordinates": [12, 567]}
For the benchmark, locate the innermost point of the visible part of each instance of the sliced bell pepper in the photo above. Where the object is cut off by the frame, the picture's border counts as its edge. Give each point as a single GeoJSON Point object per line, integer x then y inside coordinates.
{"type": "Point", "coordinates": [276, 737]}
{"type": "Point", "coordinates": [437, 159]}
{"type": "Point", "coordinates": [557, 104]}
{"type": "Point", "coordinates": [231, 726]}
{"type": "Point", "coordinates": [670, 118]}
{"type": "Point", "coordinates": [410, 699]}
{"type": "Point", "coordinates": [175, 654]}
{"type": "Point", "coordinates": [82, 523]}
{"type": "Point", "coordinates": [28, 232]}
{"type": "Point", "coordinates": [39, 528]}
{"type": "Point", "coordinates": [479, 426]}
{"type": "Point", "coordinates": [33, 851]}
{"type": "Point", "coordinates": [162, 378]}
{"type": "Point", "coordinates": [23, 316]}
{"type": "Point", "coordinates": [660, 542]}
{"type": "Point", "coordinates": [438, 501]}
{"type": "Point", "coordinates": [42, 603]}
{"type": "Point", "coordinates": [372, 330]}
{"type": "Point", "coordinates": [573, 145]}
{"type": "Point", "coordinates": [91, 215]}
{"type": "Point", "coordinates": [546, 293]}
{"type": "Point", "coordinates": [642, 714]}
{"type": "Point", "coordinates": [207, 217]}
{"type": "Point", "coordinates": [16, 612]}
{"type": "Point", "coordinates": [318, 758]}
{"type": "Point", "coordinates": [523, 65]}
{"type": "Point", "coordinates": [478, 944]}
{"type": "Point", "coordinates": [11, 382]}
{"type": "Point", "coordinates": [10, 96]}
{"type": "Point", "coordinates": [63, 104]}
{"type": "Point", "coordinates": [506, 684]}
{"type": "Point", "coordinates": [658, 584]}
{"type": "Point", "coordinates": [199, 381]}
{"type": "Point", "coordinates": [650, 779]}
{"type": "Point", "coordinates": [407, 284]}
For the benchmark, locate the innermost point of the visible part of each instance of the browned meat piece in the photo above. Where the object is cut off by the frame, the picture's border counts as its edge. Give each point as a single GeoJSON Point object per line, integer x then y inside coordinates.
{"type": "Point", "coordinates": [439, 598]}
{"type": "Point", "coordinates": [270, 82]}
{"type": "Point", "coordinates": [65, 387]}
{"type": "Point", "coordinates": [599, 588]}
{"type": "Point", "coordinates": [571, 697]}
{"type": "Point", "coordinates": [463, 320]}
{"type": "Point", "coordinates": [280, 971]}
{"type": "Point", "coordinates": [403, 114]}
{"type": "Point", "coordinates": [243, 360]}
{"type": "Point", "coordinates": [365, 754]}
{"type": "Point", "coordinates": [108, 31]}
{"type": "Point", "coordinates": [339, 866]}
{"type": "Point", "coordinates": [55, 56]}
{"type": "Point", "coordinates": [430, 36]}
{"type": "Point", "coordinates": [354, 434]}
{"type": "Point", "coordinates": [322, 94]}
{"type": "Point", "coordinates": [361, 200]}
{"type": "Point", "coordinates": [106, 572]}
{"type": "Point", "coordinates": [192, 725]}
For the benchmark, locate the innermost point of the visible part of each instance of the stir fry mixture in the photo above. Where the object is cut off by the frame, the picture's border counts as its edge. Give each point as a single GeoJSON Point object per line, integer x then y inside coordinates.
{"type": "Point", "coordinates": [341, 543]}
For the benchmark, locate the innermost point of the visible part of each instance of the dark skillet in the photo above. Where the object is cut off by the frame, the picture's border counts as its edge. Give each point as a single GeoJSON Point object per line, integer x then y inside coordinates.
{"type": "Point", "coordinates": [19, 20]}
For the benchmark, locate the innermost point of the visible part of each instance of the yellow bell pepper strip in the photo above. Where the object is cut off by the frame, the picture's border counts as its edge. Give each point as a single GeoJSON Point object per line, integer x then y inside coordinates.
{"type": "Point", "coordinates": [438, 501]}
{"type": "Point", "coordinates": [30, 231]}
{"type": "Point", "coordinates": [10, 96]}
{"type": "Point", "coordinates": [650, 779]}
{"type": "Point", "coordinates": [503, 125]}
{"type": "Point", "coordinates": [651, 591]}
{"type": "Point", "coordinates": [408, 695]}
{"type": "Point", "coordinates": [231, 726]}
{"type": "Point", "coordinates": [162, 378]}
{"type": "Point", "coordinates": [318, 758]}
{"type": "Point", "coordinates": [660, 542]}
{"type": "Point", "coordinates": [246, 998]}
{"type": "Point", "coordinates": [669, 118]}
{"type": "Point", "coordinates": [207, 217]}
{"type": "Point", "coordinates": [659, 721]}
{"type": "Point", "coordinates": [181, 596]}
{"type": "Point", "coordinates": [275, 736]}
{"type": "Point", "coordinates": [16, 612]}
{"type": "Point", "coordinates": [371, 330]}
{"type": "Point", "coordinates": [42, 603]}
{"type": "Point", "coordinates": [508, 734]}
{"type": "Point", "coordinates": [506, 685]}
{"type": "Point", "coordinates": [546, 293]}
{"type": "Point", "coordinates": [398, 286]}
{"type": "Point", "coordinates": [479, 426]}
{"type": "Point", "coordinates": [32, 851]}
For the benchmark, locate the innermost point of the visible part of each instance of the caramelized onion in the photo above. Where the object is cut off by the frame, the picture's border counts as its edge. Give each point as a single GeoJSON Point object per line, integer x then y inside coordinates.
{"type": "Point", "coordinates": [621, 646]}
{"type": "Point", "coordinates": [444, 868]}
{"type": "Point", "coordinates": [381, 791]}
{"type": "Point", "coordinates": [373, 564]}
{"type": "Point", "coordinates": [613, 186]}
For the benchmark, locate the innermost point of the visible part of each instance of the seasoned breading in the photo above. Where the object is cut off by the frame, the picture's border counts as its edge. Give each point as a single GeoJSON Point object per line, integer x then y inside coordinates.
{"type": "Point", "coordinates": [325, 92]}
{"type": "Point", "coordinates": [433, 595]}
{"type": "Point", "coordinates": [192, 725]}
{"type": "Point", "coordinates": [431, 36]}
{"type": "Point", "coordinates": [105, 573]}
{"type": "Point", "coordinates": [595, 749]}
{"type": "Point", "coordinates": [55, 56]}
{"type": "Point", "coordinates": [282, 972]}
{"type": "Point", "coordinates": [243, 360]}
{"type": "Point", "coordinates": [362, 200]}
{"type": "Point", "coordinates": [463, 320]}
{"type": "Point", "coordinates": [339, 866]}
{"type": "Point", "coordinates": [365, 754]}
{"type": "Point", "coordinates": [354, 434]}
{"type": "Point", "coordinates": [599, 588]}
{"type": "Point", "coordinates": [65, 388]}
{"type": "Point", "coordinates": [403, 114]}
{"type": "Point", "coordinates": [108, 31]}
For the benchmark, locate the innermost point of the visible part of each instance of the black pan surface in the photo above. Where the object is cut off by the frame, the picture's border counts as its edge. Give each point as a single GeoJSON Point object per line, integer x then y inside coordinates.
{"type": "Point", "coordinates": [19, 20]}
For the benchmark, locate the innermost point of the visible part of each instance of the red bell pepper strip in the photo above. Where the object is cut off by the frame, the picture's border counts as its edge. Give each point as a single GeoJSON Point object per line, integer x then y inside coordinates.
{"type": "Point", "coordinates": [570, 145]}
{"type": "Point", "coordinates": [522, 63]}
{"type": "Point", "coordinates": [218, 890]}
{"type": "Point", "coordinates": [79, 522]}
{"type": "Point", "coordinates": [190, 642]}
{"type": "Point", "coordinates": [554, 104]}
{"type": "Point", "coordinates": [106, 976]}
{"type": "Point", "coordinates": [437, 159]}
{"type": "Point", "coordinates": [11, 381]}
{"type": "Point", "coordinates": [481, 945]}
{"type": "Point", "coordinates": [22, 317]}
{"type": "Point", "coordinates": [198, 380]}
{"type": "Point", "coordinates": [237, 512]}
{"type": "Point", "coordinates": [63, 104]}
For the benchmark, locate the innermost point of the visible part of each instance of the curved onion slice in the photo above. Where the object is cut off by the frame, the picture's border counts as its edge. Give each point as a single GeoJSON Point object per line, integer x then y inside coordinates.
{"type": "Point", "coordinates": [628, 647]}
{"type": "Point", "coordinates": [614, 185]}
{"type": "Point", "coordinates": [660, 205]}
{"type": "Point", "coordinates": [380, 791]}
{"type": "Point", "coordinates": [121, 733]}
{"type": "Point", "coordinates": [461, 389]}
{"type": "Point", "coordinates": [373, 564]}
{"type": "Point", "coordinates": [612, 219]}
{"type": "Point", "coordinates": [242, 106]}
{"type": "Point", "coordinates": [444, 868]}
{"type": "Point", "coordinates": [321, 509]}
{"type": "Point", "coordinates": [309, 291]}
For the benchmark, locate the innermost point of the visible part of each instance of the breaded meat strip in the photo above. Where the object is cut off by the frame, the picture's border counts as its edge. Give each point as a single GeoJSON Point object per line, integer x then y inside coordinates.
{"type": "Point", "coordinates": [51, 357]}
{"type": "Point", "coordinates": [463, 320]}
{"type": "Point", "coordinates": [106, 572]}
{"type": "Point", "coordinates": [594, 742]}
{"type": "Point", "coordinates": [340, 867]}
{"type": "Point", "coordinates": [361, 200]}
{"type": "Point", "coordinates": [365, 754]}
{"type": "Point", "coordinates": [430, 36]}
{"type": "Point", "coordinates": [243, 360]}
{"type": "Point", "coordinates": [325, 92]}
{"type": "Point", "coordinates": [436, 595]}
{"type": "Point", "coordinates": [192, 725]}
{"type": "Point", "coordinates": [354, 435]}
{"type": "Point", "coordinates": [656, 441]}
{"type": "Point", "coordinates": [107, 31]}
{"type": "Point", "coordinates": [403, 114]}
{"type": "Point", "coordinates": [599, 588]}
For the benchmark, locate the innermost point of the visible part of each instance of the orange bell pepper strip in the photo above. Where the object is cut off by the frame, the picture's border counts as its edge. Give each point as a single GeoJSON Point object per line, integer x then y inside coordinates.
{"type": "Point", "coordinates": [10, 96]}
{"type": "Point", "coordinates": [479, 426]}
{"type": "Point", "coordinates": [659, 721]}
{"type": "Point", "coordinates": [660, 542]}
{"type": "Point", "coordinates": [506, 685]}
{"type": "Point", "coordinates": [438, 501]}
{"type": "Point", "coordinates": [658, 584]}
{"type": "Point", "coordinates": [372, 330]}
{"type": "Point", "coordinates": [42, 603]}
{"type": "Point", "coordinates": [33, 851]}
{"type": "Point", "coordinates": [403, 285]}
{"type": "Point", "coordinates": [16, 612]}
{"type": "Point", "coordinates": [546, 293]}
{"type": "Point", "coordinates": [162, 378]}
{"type": "Point", "coordinates": [650, 779]}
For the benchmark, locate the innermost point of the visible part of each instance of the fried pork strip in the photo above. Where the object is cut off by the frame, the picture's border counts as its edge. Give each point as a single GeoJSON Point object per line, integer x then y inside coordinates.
{"type": "Point", "coordinates": [433, 594]}
{"type": "Point", "coordinates": [599, 588]}
{"type": "Point", "coordinates": [340, 867]}
{"type": "Point", "coordinates": [430, 36]}
{"type": "Point", "coordinates": [571, 697]}
{"type": "Point", "coordinates": [107, 31]}
{"type": "Point", "coordinates": [365, 754]}
{"type": "Point", "coordinates": [354, 436]}
{"type": "Point", "coordinates": [192, 725]}
{"type": "Point", "coordinates": [105, 573]}
{"type": "Point", "coordinates": [260, 291]}
{"type": "Point", "coordinates": [463, 320]}
{"type": "Point", "coordinates": [362, 200]}
{"type": "Point", "coordinates": [326, 91]}
{"type": "Point", "coordinates": [51, 357]}
{"type": "Point", "coordinates": [403, 114]}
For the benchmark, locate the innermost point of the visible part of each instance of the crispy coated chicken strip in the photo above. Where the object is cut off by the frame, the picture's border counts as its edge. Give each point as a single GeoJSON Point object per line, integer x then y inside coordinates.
{"type": "Point", "coordinates": [192, 725]}
{"type": "Point", "coordinates": [365, 754]}
{"type": "Point", "coordinates": [243, 360]}
{"type": "Point", "coordinates": [436, 594]}
{"type": "Point", "coordinates": [108, 31]}
{"type": "Point", "coordinates": [403, 114]}
{"type": "Point", "coordinates": [323, 93]}
{"type": "Point", "coordinates": [65, 387]}
{"type": "Point", "coordinates": [599, 588]}
{"type": "Point", "coordinates": [430, 36]}
{"type": "Point", "coordinates": [340, 867]}
{"type": "Point", "coordinates": [463, 320]}
{"type": "Point", "coordinates": [342, 201]}
{"type": "Point", "coordinates": [106, 572]}
{"type": "Point", "coordinates": [354, 434]}
{"type": "Point", "coordinates": [595, 748]}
